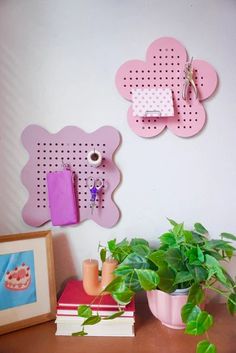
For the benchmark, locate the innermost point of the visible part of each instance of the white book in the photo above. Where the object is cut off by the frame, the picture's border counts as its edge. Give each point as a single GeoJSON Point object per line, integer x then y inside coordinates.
{"type": "Point", "coordinates": [65, 329]}
{"type": "Point", "coordinates": [107, 323]}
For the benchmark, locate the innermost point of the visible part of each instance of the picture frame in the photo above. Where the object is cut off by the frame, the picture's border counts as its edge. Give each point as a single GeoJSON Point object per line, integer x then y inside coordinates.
{"type": "Point", "coordinates": [27, 280]}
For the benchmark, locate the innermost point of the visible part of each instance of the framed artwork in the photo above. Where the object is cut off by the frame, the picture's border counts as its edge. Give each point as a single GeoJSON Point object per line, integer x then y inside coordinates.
{"type": "Point", "coordinates": [27, 281]}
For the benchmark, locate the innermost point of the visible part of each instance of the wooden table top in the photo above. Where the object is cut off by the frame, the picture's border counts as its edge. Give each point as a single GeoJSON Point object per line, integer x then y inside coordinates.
{"type": "Point", "coordinates": [151, 337]}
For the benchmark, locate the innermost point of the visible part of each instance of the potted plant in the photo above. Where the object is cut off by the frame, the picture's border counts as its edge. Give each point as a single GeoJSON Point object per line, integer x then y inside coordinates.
{"type": "Point", "coordinates": [185, 261]}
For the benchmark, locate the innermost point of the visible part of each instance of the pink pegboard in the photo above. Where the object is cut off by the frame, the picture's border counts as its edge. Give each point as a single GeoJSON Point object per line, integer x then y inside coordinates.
{"type": "Point", "coordinates": [71, 144]}
{"type": "Point", "coordinates": [164, 67]}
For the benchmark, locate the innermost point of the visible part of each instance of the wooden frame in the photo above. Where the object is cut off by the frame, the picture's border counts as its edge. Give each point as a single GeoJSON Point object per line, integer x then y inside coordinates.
{"type": "Point", "coordinates": [28, 292]}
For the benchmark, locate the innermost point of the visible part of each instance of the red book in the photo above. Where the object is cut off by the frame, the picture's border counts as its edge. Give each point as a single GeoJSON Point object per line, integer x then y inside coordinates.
{"type": "Point", "coordinates": [74, 295]}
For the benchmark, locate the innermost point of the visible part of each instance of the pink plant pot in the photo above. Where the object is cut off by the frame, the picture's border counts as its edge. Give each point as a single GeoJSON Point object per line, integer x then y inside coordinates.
{"type": "Point", "coordinates": [167, 307]}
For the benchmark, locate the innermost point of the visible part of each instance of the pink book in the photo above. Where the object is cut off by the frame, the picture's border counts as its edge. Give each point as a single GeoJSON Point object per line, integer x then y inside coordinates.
{"type": "Point", "coordinates": [74, 295]}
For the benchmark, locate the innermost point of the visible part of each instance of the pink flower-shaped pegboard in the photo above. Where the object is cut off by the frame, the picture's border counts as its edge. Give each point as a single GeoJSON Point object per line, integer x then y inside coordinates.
{"type": "Point", "coordinates": [164, 67]}
{"type": "Point", "coordinates": [70, 145]}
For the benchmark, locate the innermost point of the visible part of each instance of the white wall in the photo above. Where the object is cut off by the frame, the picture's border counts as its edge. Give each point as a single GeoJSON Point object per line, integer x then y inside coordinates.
{"type": "Point", "coordinates": [55, 53]}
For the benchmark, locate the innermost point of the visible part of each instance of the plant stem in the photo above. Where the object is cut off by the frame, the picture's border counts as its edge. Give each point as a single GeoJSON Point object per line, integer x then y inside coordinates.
{"type": "Point", "coordinates": [100, 296]}
{"type": "Point", "coordinates": [219, 292]}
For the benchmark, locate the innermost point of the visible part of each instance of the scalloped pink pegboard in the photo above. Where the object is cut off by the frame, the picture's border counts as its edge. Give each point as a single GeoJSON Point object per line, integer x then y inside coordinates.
{"type": "Point", "coordinates": [164, 67]}
{"type": "Point", "coordinates": [71, 144]}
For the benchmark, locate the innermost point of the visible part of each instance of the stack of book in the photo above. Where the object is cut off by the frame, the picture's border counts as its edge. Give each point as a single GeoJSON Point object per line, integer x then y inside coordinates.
{"type": "Point", "coordinates": [68, 321]}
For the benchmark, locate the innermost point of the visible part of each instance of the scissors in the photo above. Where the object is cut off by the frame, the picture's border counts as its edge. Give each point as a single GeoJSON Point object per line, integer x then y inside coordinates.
{"type": "Point", "coordinates": [95, 186]}
{"type": "Point", "coordinates": [189, 81]}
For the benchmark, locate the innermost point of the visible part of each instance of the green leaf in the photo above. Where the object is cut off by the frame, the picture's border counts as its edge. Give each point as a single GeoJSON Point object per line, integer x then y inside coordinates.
{"type": "Point", "coordinates": [215, 254]}
{"type": "Point", "coordinates": [219, 244]}
{"type": "Point", "coordinates": [211, 273]}
{"type": "Point", "coordinates": [200, 228]}
{"type": "Point", "coordinates": [178, 229]}
{"type": "Point", "coordinates": [200, 254]}
{"type": "Point", "coordinates": [122, 243]}
{"type": "Point", "coordinates": [120, 250]}
{"type": "Point", "coordinates": [197, 238]}
{"type": "Point", "coordinates": [168, 239]}
{"type": "Point", "coordinates": [111, 245]}
{"type": "Point", "coordinates": [196, 294]}
{"type": "Point", "coordinates": [123, 270]}
{"type": "Point", "coordinates": [229, 253]}
{"type": "Point", "coordinates": [230, 280]}
{"type": "Point", "coordinates": [117, 285]}
{"type": "Point", "coordinates": [124, 297]}
{"type": "Point", "coordinates": [228, 236]}
{"type": "Point", "coordinates": [148, 279]}
{"type": "Point", "coordinates": [221, 277]}
{"type": "Point", "coordinates": [231, 303]}
{"type": "Point", "coordinates": [80, 333]}
{"type": "Point", "coordinates": [113, 316]}
{"type": "Point", "coordinates": [215, 269]}
{"type": "Point", "coordinates": [141, 249]}
{"type": "Point", "coordinates": [200, 325]}
{"type": "Point", "coordinates": [172, 222]}
{"type": "Point", "coordinates": [183, 276]}
{"type": "Point", "coordinates": [174, 258]}
{"type": "Point", "coordinates": [103, 254]}
{"type": "Point", "coordinates": [135, 261]}
{"type": "Point", "coordinates": [188, 236]}
{"type": "Point", "coordinates": [195, 256]}
{"type": "Point", "coordinates": [84, 311]}
{"type": "Point", "coordinates": [139, 241]}
{"type": "Point", "coordinates": [92, 320]}
{"type": "Point", "coordinates": [167, 279]}
{"type": "Point", "coordinates": [199, 273]}
{"type": "Point", "coordinates": [158, 257]}
{"type": "Point", "coordinates": [189, 312]}
{"type": "Point", "coordinates": [132, 282]}
{"type": "Point", "coordinates": [192, 255]}
{"type": "Point", "coordinates": [205, 347]}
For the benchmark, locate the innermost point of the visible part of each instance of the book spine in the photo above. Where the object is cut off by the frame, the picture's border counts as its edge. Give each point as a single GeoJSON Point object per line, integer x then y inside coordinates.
{"type": "Point", "coordinates": [102, 314]}
{"type": "Point", "coordinates": [100, 311]}
{"type": "Point", "coordinates": [94, 306]}
{"type": "Point", "coordinates": [127, 331]}
{"type": "Point", "coordinates": [70, 320]}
